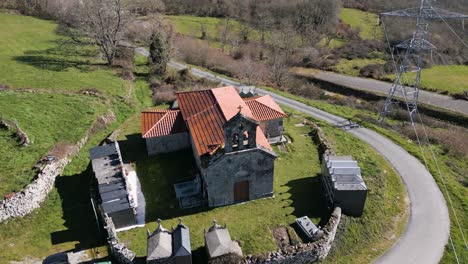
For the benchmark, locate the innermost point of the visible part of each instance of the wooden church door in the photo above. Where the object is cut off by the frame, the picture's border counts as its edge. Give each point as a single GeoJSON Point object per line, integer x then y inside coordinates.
{"type": "Point", "coordinates": [241, 191]}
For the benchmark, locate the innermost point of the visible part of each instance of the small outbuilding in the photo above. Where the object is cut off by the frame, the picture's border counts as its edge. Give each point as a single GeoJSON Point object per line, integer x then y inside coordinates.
{"type": "Point", "coordinates": [169, 247]}
{"type": "Point", "coordinates": [219, 246]}
{"type": "Point", "coordinates": [343, 184]}
{"type": "Point", "coordinates": [115, 199]}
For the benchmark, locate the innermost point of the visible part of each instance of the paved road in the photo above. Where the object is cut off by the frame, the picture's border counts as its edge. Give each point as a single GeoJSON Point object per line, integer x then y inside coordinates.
{"type": "Point", "coordinates": [382, 88]}
{"type": "Point", "coordinates": [428, 229]}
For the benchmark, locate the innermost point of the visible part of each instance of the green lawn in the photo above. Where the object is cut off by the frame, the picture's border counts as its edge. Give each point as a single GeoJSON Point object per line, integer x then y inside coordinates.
{"type": "Point", "coordinates": [297, 193]}
{"type": "Point", "coordinates": [64, 222]}
{"type": "Point", "coordinates": [33, 56]}
{"type": "Point", "coordinates": [46, 119]}
{"type": "Point", "coordinates": [353, 67]}
{"type": "Point", "coordinates": [191, 26]}
{"type": "Point", "coordinates": [366, 22]}
{"type": "Point", "coordinates": [452, 80]}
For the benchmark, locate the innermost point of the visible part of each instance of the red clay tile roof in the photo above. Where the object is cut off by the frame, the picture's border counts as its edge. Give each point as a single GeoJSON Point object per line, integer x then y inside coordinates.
{"type": "Point", "coordinates": [157, 123]}
{"type": "Point", "coordinates": [192, 103]}
{"type": "Point", "coordinates": [205, 113]}
{"type": "Point", "coordinates": [229, 101]}
{"type": "Point", "coordinates": [207, 130]}
{"type": "Point", "coordinates": [265, 108]}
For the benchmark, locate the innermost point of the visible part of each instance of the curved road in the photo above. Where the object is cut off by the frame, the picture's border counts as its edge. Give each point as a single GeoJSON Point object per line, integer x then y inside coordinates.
{"type": "Point", "coordinates": [427, 232]}
{"type": "Point", "coordinates": [382, 88]}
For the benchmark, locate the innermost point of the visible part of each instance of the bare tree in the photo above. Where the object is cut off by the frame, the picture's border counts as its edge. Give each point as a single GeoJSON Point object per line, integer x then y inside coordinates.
{"type": "Point", "coordinates": [103, 23]}
{"type": "Point", "coordinates": [146, 7]}
{"type": "Point", "coordinates": [224, 28]}
{"type": "Point", "coordinates": [248, 71]}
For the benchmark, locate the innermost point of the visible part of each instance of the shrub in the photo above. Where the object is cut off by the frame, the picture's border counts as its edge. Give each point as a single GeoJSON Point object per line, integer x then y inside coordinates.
{"type": "Point", "coordinates": [374, 71]}
{"type": "Point", "coordinates": [163, 94]}
{"type": "Point", "coordinates": [125, 58]}
{"type": "Point", "coordinates": [199, 53]}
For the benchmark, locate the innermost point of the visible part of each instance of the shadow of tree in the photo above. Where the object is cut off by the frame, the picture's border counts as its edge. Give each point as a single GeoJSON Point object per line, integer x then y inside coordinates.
{"type": "Point", "coordinates": [62, 56]}
{"type": "Point", "coordinates": [158, 175]}
{"type": "Point", "coordinates": [78, 213]}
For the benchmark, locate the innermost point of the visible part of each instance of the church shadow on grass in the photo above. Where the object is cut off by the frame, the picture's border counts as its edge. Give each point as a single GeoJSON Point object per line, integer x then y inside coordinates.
{"type": "Point", "coordinates": [307, 199]}
{"type": "Point", "coordinates": [74, 192]}
{"type": "Point", "coordinates": [158, 175]}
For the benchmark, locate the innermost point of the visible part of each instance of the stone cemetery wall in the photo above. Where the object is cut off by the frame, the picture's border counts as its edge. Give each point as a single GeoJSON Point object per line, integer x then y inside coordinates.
{"type": "Point", "coordinates": [30, 198]}
{"type": "Point", "coordinates": [119, 251]}
{"type": "Point", "coordinates": [304, 253]}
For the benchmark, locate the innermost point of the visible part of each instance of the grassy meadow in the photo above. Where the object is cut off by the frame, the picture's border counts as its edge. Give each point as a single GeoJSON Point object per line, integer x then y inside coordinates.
{"type": "Point", "coordinates": [191, 26]}
{"type": "Point", "coordinates": [353, 67]}
{"type": "Point", "coordinates": [451, 80]}
{"type": "Point", "coordinates": [47, 119]}
{"type": "Point", "coordinates": [33, 55]}
{"type": "Point", "coordinates": [365, 22]}
{"type": "Point", "coordinates": [53, 110]}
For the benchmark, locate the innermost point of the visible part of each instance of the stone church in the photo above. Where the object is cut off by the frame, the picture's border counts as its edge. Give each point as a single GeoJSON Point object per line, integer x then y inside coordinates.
{"type": "Point", "coordinates": [230, 138]}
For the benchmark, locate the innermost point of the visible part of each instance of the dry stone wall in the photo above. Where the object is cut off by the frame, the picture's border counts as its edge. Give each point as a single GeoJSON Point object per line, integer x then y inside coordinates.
{"type": "Point", "coordinates": [30, 198]}
{"type": "Point", "coordinates": [304, 253]}
{"type": "Point", "coordinates": [119, 251]}
{"type": "Point", "coordinates": [19, 133]}
{"type": "Point", "coordinates": [319, 138]}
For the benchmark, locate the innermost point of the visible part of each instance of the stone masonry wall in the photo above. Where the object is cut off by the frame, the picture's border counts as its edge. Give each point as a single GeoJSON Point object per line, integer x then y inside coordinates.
{"type": "Point", "coordinates": [253, 165]}
{"type": "Point", "coordinates": [304, 253]}
{"type": "Point", "coordinates": [30, 198]}
{"type": "Point", "coordinates": [324, 146]}
{"type": "Point", "coordinates": [167, 144]}
{"type": "Point", "coordinates": [18, 132]}
{"type": "Point", "coordinates": [119, 251]}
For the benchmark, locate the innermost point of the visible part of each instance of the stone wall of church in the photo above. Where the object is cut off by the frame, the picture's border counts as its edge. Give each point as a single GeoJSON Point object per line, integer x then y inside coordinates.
{"type": "Point", "coordinates": [272, 128]}
{"type": "Point", "coordinates": [253, 165]}
{"type": "Point", "coordinates": [167, 144]}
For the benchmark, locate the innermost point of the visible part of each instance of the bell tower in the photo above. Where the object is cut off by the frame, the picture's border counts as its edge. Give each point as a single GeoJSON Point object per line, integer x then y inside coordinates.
{"type": "Point", "coordinates": [240, 132]}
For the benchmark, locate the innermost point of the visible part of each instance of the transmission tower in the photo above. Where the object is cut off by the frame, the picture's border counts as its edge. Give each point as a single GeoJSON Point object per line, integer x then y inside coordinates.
{"type": "Point", "coordinates": [415, 49]}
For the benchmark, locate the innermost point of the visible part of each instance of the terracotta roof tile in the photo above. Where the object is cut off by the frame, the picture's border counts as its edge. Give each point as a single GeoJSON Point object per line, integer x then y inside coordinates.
{"type": "Point", "coordinates": [192, 103]}
{"type": "Point", "coordinates": [206, 129]}
{"type": "Point", "coordinates": [229, 101]}
{"type": "Point", "coordinates": [205, 112]}
{"type": "Point", "coordinates": [265, 108]}
{"type": "Point", "coordinates": [159, 123]}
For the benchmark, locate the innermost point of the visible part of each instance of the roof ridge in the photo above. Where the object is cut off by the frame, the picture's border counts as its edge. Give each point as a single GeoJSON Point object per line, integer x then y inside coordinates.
{"type": "Point", "coordinates": [207, 109]}
{"type": "Point", "coordinates": [196, 91]}
{"type": "Point", "coordinates": [154, 126]}
{"type": "Point", "coordinates": [159, 110]}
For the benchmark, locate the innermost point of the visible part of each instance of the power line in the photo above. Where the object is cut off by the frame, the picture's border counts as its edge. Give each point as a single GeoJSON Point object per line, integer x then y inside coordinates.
{"type": "Point", "coordinates": [415, 48]}
{"type": "Point", "coordinates": [448, 25]}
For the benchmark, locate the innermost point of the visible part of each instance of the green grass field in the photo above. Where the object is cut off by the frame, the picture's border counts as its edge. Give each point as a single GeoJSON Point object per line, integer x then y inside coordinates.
{"type": "Point", "coordinates": [353, 67]}
{"type": "Point", "coordinates": [365, 22]}
{"type": "Point", "coordinates": [191, 26]}
{"type": "Point", "coordinates": [452, 80]}
{"type": "Point", "coordinates": [40, 116]}
{"type": "Point", "coordinates": [33, 56]}
{"type": "Point", "coordinates": [65, 220]}
{"type": "Point", "coordinates": [297, 193]}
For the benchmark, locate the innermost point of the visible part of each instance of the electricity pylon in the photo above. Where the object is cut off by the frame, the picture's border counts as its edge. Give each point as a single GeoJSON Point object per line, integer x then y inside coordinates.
{"type": "Point", "coordinates": [412, 61]}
